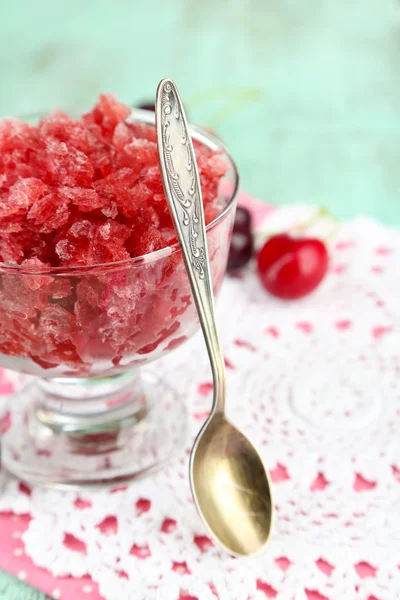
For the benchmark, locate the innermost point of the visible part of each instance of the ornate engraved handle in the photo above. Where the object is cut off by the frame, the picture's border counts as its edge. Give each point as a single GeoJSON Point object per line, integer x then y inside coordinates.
{"type": "Point", "coordinates": [183, 191]}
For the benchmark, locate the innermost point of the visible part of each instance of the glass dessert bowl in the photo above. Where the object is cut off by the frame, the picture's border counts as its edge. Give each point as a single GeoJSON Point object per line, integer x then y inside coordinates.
{"type": "Point", "coordinates": [92, 416]}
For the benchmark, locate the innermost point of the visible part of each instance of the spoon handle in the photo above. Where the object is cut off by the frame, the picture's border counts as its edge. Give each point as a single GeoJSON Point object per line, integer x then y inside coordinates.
{"type": "Point", "coordinates": [183, 191]}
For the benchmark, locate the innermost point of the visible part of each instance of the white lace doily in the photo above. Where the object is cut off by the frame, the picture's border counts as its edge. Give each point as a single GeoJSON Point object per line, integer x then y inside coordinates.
{"type": "Point", "coordinates": [315, 383]}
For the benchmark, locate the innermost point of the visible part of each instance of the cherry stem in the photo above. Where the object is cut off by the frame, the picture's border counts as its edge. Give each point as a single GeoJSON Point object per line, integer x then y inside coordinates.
{"type": "Point", "coordinates": [321, 212]}
{"type": "Point", "coordinates": [334, 234]}
{"type": "Point", "coordinates": [302, 227]}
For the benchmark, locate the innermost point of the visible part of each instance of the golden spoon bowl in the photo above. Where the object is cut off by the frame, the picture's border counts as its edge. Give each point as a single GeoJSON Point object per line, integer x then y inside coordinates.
{"type": "Point", "coordinates": [231, 487]}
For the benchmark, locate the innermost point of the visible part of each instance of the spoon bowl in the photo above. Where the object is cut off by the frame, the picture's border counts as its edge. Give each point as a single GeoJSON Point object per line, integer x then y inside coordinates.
{"type": "Point", "coordinates": [231, 487]}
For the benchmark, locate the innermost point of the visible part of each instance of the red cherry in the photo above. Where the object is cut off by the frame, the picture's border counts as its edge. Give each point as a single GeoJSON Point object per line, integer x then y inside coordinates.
{"type": "Point", "coordinates": [291, 268]}
{"type": "Point", "coordinates": [243, 221]}
{"type": "Point", "coordinates": [241, 250]}
{"type": "Point", "coordinates": [242, 244]}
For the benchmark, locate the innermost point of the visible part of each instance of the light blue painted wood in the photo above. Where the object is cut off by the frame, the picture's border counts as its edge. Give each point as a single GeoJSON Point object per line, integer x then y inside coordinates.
{"type": "Point", "coordinates": [324, 121]}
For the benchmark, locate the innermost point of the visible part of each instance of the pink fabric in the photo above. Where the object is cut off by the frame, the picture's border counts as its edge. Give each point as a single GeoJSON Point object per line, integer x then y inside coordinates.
{"type": "Point", "coordinates": [14, 560]}
{"type": "Point", "coordinates": [12, 556]}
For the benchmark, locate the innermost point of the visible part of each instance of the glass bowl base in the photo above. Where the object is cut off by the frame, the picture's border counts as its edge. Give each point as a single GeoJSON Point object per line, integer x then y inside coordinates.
{"type": "Point", "coordinates": [142, 428]}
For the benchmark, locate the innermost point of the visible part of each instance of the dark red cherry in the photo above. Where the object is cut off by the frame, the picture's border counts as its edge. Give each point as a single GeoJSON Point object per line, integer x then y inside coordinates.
{"type": "Point", "coordinates": [243, 221]}
{"type": "Point", "coordinates": [148, 106]}
{"type": "Point", "coordinates": [241, 250]}
{"type": "Point", "coordinates": [242, 244]}
{"type": "Point", "coordinates": [291, 268]}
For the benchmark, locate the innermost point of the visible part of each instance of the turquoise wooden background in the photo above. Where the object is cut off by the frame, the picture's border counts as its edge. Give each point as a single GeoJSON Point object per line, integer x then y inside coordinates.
{"type": "Point", "coordinates": [305, 93]}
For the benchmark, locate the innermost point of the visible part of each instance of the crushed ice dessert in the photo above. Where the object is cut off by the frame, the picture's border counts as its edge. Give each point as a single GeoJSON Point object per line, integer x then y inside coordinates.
{"type": "Point", "coordinates": [78, 196]}
{"type": "Point", "coordinates": [88, 191]}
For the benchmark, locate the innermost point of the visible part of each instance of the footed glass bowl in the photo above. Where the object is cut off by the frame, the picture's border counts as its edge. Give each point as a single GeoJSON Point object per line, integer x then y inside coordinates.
{"type": "Point", "coordinates": [93, 416]}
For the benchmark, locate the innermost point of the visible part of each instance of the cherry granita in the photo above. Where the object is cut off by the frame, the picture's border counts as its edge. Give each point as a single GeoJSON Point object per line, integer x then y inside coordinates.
{"type": "Point", "coordinates": [82, 209]}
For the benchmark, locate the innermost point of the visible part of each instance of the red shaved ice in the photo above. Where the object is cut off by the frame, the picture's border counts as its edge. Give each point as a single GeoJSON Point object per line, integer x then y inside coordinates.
{"type": "Point", "coordinates": [81, 195]}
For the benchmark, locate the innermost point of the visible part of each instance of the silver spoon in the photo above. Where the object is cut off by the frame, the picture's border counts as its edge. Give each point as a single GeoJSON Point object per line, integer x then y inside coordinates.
{"type": "Point", "coordinates": [229, 482]}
